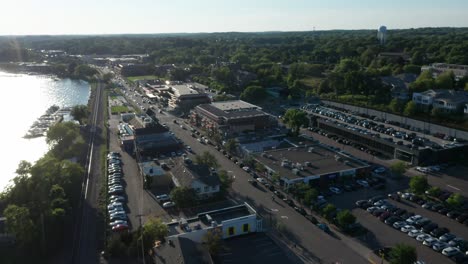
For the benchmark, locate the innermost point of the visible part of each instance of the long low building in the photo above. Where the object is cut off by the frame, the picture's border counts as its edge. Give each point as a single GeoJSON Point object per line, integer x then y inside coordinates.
{"type": "Point", "coordinates": [230, 118]}
{"type": "Point", "coordinates": [313, 164]}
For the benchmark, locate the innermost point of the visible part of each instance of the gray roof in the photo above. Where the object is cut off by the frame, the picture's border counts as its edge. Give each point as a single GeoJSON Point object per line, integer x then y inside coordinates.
{"type": "Point", "coordinates": [231, 114]}
{"type": "Point", "coordinates": [448, 95]}
{"type": "Point", "coordinates": [186, 174]}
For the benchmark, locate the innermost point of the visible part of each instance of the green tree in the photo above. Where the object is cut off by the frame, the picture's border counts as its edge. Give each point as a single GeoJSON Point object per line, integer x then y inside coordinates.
{"type": "Point", "coordinates": [410, 109]}
{"type": "Point", "coordinates": [148, 182]}
{"type": "Point", "coordinates": [225, 179]}
{"type": "Point", "coordinates": [403, 254]}
{"type": "Point", "coordinates": [19, 223]}
{"type": "Point", "coordinates": [295, 119]}
{"type": "Point", "coordinates": [80, 113]}
{"type": "Point", "coordinates": [213, 241]}
{"type": "Point", "coordinates": [254, 94]}
{"type": "Point", "coordinates": [434, 191]}
{"type": "Point", "coordinates": [411, 68]}
{"type": "Point", "coordinates": [437, 112]}
{"type": "Point", "coordinates": [445, 80]}
{"type": "Point", "coordinates": [328, 211]}
{"type": "Point", "coordinates": [231, 146]}
{"type": "Point", "coordinates": [208, 159]}
{"type": "Point", "coordinates": [398, 168]}
{"type": "Point", "coordinates": [396, 105]}
{"type": "Point", "coordinates": [345, 218]}
{"type": "Point", "coordinates": [183, 196]}
{"type": "Point", "coordinates": [455, 200]}
{"type": "Point", "coordinates": [310, 196]}
{"type": "Point", "coordinates": [153, 229]}
{"type": "Point", "coordinates": [275, 177]}
{"type": "Point", "coordinates": [418, 184]}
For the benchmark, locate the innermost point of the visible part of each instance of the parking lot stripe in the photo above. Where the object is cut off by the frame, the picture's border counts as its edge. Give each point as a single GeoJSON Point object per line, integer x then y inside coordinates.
{"type": "Point", "coordinates": [453, 187]}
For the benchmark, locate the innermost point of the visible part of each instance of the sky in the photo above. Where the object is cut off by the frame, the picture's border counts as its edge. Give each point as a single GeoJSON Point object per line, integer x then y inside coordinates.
{"type": "Point", "coordinates": [36, 17]}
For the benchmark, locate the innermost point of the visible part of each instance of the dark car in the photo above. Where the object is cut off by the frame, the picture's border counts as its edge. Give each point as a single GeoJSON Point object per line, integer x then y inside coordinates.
{"type": "Point", "coordinates": [300, 210]}
{"type": "Point", "coordinates": [378, 212]}
{"type": "Point", "coordinates": [280, 195]}
{"type": "Point", "coordinates": [453, 214]}
{"type": "Point", "coordinates": [254, 183]}
{"type": "Point", "coordinates": [422, 222]}
{"type": "Point", "coordinates": [444, 211]}
{"type": "Point", "coordinates": [288, 202]}
{"type": "Point", "coordinates": [399, 212]}
{"type": "Point", "coordinates": [312, 219]}
{"type": "Point", "coordinates": [376, 198]}
{"type": "Point", "coordinates": [461, 218]}
{"type": "Point", "coordinates": [348, 188]}
{"type": "Point", "coordinates": [364, 204]}
{"type": "Point", "coordinates": [392, 219]}
{"type": "Point", "coordinates": [460, 258]}
{"type": "Point", "coordinates": [437, 207]}
{"type": "Point", "coordinates": [407, 215]}
{"type": "Point", "coordinates": [438, 232]}
{"type": "Point", "coordinates": [384, 216]}
{"type": "Point", "coordinates": [429, 227]}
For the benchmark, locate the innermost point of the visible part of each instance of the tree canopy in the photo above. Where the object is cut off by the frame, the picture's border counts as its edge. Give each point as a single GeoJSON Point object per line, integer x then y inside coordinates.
{"type": "Point", "coordinates": [418, 184]}
{"type": "Point", "coordinates": [403, 254]}
{"type": "Point", "coordinates": [295, 119]}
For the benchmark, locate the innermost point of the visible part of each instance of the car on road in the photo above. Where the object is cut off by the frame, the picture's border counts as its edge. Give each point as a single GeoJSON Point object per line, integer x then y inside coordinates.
{"type": "Point", "coordinates": [245, 168]}
{"type": "Point", "coordinates": [261, 180]}
{"type": "Point", "coordinates": [253, 182]}
{"type": "Point", "coordinates": [364, 204]}
{"type": "Point", "coordinates": [450, 251]}
{"type": "Point", "coordinates": [300, 210]}
{"type": "Point", "coordinates": [379, 170]}
{"type": "Point", "coordinates": [168, 204]}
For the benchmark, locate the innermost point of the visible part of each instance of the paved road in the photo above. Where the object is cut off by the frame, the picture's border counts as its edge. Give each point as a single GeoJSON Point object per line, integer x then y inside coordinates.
{"type": "Point", "coordinates": [87, 242]}
{"type": "Point", "coordinates": [316, 243]}
{"type": "Point", "coordinates": [139, 201]}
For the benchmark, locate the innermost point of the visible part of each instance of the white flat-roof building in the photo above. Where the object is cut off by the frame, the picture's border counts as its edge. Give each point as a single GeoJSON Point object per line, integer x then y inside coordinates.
{"type": "Point", "coordinates": [186, 96]}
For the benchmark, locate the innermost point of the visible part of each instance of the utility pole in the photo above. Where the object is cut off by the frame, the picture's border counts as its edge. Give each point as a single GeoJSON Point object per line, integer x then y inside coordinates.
{"type": "Point", "coordinates": [141, 237]}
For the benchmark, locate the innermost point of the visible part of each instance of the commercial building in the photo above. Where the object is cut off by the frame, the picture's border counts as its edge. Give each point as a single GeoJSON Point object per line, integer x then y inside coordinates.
{"type": "Point", "coordinates": [155, 140]}
{"type": "Point", "coordinates": [135, 69]}
{"type": "Point", "coordinates": [447, 100]}
{"type": "Point", "coordinates": [229, 222]}
{"type": "Point", "coordinates": [230, 118]}
{"type": "Point", "coordinates": [312, 163]}
{"type": "Point", "coordinates": [459, 71]}
{"type": "Point", "coordinates": [200, 178]}
{"type": "Point", "coordinates": [185, 96]}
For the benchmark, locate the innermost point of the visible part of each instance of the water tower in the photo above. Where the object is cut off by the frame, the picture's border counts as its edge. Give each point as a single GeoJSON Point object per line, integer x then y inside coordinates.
{"type": "Point", "coordinates": [382, 35]}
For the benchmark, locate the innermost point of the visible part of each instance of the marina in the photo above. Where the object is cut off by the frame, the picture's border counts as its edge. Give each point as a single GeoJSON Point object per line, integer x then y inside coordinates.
{"type": "Point", "coordinates": [52, 116]}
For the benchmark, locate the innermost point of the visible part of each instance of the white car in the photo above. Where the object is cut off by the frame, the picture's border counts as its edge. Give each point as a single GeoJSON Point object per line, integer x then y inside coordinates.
{"type": "Point", "coordinates": [415, 233]}
{"type": "Point", "coordinates": [407, 228]}
{"type": "Point", "coordinates": [399, 224]}
{"type": "Point", "coordinates": [163, 198]}
{"type": "Point", "coordinates": [413, 219]}
{"type": "Point", "coordinates": [118, 222]}
{"type": "Point", "coordinates": [363, 183]}
{"type": "Point", "coordinates": [247, 169]}
{"type": "Point", "coordinates": [168, 204]}
{"type": "Point", "coordinates": [261, 180]}
{"type": "Point", "coordinates": [372, 209]}
{"type": "Point", "coordinates": [450, 251]}
{"type": "Point", "coordinates": [380, 170]}
{"type": "Point", "coordinates": [430, 241]}
{"type": "Point", "coordinates": [380, 202]}
{"type": "Point", "coordinates": [335, 190]}
{"type": "Point", "coordinates": [439, 246]}
{"type": "Point", "coordinates": [422, 237]}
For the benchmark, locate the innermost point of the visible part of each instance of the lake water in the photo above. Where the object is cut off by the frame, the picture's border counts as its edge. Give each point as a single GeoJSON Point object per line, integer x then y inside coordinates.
{"type": "Point", "coordinates": [25, 98]}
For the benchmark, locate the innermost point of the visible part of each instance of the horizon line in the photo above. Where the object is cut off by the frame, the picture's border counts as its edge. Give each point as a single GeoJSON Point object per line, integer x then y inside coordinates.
{"type": "Point", "coordinates": [223, 32]}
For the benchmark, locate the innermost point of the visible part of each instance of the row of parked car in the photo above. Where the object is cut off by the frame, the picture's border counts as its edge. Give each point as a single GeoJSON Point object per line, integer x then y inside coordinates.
{"type": "Point", "coordinates": [418, 227]}
{"type": "Point", "coordinates": [118, 220]}
{"type": "Point", "coordinates": [460, 214]}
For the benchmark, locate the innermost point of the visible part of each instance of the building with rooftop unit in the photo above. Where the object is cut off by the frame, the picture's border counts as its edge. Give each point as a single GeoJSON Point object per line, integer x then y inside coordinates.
{"type": "Point", "coordinates": [229, 118]}
{"type": "Point", "coordinates": [185, 96]}
{"type": "Point", "coordinates": [447, 100]}
{"type": "Point", "coordinates": [313, 164]}
{"type": "Point", "coordinates": [229, 222]}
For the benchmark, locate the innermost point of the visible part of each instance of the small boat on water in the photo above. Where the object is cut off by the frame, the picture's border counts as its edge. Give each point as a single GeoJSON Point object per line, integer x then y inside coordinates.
{"type": "Point", "coordinates": [52, 116]}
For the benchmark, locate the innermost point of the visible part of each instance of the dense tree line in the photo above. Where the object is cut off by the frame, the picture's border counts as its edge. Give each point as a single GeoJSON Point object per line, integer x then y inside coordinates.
{"type": "Point", "coordinates": [39, 204]}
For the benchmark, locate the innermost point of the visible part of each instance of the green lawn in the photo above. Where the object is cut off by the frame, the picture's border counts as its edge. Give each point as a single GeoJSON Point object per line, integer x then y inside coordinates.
{"type": "Point", "coordinates": [145, 77]}
{"type": "Point", "coordinates": [311, 82]}
{"type": "Point", "coordinates": [119, 109]}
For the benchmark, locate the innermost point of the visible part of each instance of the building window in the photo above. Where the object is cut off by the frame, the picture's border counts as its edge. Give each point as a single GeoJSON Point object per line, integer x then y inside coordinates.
{"type": "Point", "coordinates": [245, 228]}
{"type": "Point", "coordinates": [198, 190]}
{"type": "Point", "coordinates": [206, 188]}
{"type": "Point", "coordinates": [231, 231]}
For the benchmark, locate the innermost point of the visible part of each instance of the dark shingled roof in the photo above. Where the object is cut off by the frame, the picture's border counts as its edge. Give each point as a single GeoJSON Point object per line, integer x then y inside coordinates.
{"type": "Point", "coordinates": [154, 129]}
{"type": "Point", "coordinates": [186, 174]}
